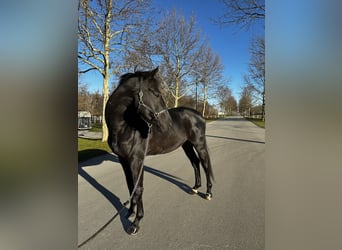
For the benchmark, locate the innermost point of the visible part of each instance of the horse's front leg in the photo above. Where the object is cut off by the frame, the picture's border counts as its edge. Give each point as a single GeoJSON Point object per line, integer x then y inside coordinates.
{"type": "Point", "coordinates": [137, 200]}
{"type": "Point", "coordinates": [138, 176]}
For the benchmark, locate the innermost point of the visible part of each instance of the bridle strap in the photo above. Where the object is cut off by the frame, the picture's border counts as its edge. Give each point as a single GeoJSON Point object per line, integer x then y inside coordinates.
{"type": "Point", "coordinates": [142, 104]}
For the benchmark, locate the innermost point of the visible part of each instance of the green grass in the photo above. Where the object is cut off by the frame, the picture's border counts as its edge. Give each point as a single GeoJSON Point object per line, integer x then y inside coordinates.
{"type": "Point", "coordinates": [207, 120]}
{"type": "Point", "coordinates": [88, 148]}
{"type": "Point", "coordinates": [259, 122]}
{"type": "Point", "coordinates": [96, 128]}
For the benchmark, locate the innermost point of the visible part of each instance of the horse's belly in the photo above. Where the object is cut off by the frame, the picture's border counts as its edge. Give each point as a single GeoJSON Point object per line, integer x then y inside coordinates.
{"type": "Point", "coordinates": [156, 149]}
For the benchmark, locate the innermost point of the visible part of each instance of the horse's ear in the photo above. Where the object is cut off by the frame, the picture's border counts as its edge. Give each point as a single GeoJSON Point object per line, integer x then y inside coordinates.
{"type": "Point", "coordinates": [153, 72]}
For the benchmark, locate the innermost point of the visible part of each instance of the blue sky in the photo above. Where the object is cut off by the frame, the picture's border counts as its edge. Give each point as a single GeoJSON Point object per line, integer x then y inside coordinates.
{"type": "Point", "coordinates": [230, 43]}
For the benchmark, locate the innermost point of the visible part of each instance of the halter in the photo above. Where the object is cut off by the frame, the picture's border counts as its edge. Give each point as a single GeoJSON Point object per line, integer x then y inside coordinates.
{"type": "Point", "coordinates": [141, 103]}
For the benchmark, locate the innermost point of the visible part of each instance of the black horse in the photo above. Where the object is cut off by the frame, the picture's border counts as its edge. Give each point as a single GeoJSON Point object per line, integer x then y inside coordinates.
{"type": "Point", "coordinates": [139, 124]}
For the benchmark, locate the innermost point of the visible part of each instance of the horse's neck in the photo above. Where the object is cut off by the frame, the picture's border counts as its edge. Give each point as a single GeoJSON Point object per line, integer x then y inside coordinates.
{"type": "Point", "coordinates": [119, 102]}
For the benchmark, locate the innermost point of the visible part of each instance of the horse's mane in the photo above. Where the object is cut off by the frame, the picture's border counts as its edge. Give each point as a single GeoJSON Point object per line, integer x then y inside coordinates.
{"type": "Point", "coordinates": [139, 74]}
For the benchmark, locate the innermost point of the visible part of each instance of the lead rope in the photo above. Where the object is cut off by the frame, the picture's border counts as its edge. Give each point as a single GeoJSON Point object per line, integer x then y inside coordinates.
{"type": "Point", "coordinates": [126, 202]}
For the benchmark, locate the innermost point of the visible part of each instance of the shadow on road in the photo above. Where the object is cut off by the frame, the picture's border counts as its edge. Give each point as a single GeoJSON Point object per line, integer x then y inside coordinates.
{"type": "Point", "coordinates": [168, 177]}
{"type": "Point", "coordinates": [232, 118]}
{"type": "Point", "coordinates": [235, 139]}
{"type": "Point", "coordinates": [174, 180]}
{"type": "Point", "coordinates": [112, 198]}
{"type": "Point", "coordinates": [95, 157]}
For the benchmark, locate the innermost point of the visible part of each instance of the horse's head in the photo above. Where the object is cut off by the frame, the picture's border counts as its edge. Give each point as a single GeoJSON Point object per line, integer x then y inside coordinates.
{"type": "Point", "coordinates": [149, 101]}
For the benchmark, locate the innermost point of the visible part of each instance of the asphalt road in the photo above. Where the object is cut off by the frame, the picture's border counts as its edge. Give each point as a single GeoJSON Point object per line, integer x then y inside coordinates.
{"type": "Point", "coordinates": [174, 219]}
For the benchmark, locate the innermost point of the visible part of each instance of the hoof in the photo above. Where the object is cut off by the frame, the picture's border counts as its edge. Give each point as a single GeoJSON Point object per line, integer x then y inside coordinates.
{"type": "Point", "coordinates": [132, 230]}
{"type": "Point", "coordinates": [193, 191]}
{"type": "Point", "coordinates": [208, 196]}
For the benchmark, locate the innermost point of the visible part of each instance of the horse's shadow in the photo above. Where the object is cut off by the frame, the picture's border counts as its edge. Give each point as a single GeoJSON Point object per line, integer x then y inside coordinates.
{"type": "Point", "coordinates": [174, 180]}
{"type": "Point", "coordinates": [115, 200]}
{"type": "Point", "coordinates": [112, 198]}
{"type": "Point", "coordinates": [168, 177]}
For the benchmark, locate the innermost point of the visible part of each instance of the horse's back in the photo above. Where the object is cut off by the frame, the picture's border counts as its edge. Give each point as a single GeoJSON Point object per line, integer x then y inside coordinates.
{"type": "Point", "coordinates": [187, 118]}
{"type": "Point", "coordinates": [186, 113]}
{"type": "Point", "coordinates": [187, 125]}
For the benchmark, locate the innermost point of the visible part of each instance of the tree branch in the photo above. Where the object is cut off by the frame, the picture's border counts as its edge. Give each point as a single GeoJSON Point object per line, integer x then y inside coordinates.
{"type": "Point", "coordinates": [84, 60]}
{"type": "Point", "coordinates": [87, 70]}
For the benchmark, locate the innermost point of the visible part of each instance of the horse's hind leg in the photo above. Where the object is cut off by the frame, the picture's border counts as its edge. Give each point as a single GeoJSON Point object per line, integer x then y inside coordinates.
{"type": "Point", "coordinates": [203, 154]}
{"type": "Point", "coordinates": [190, 153]}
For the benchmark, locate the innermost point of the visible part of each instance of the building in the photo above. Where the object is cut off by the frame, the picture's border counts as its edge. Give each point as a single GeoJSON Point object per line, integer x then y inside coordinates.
{"type": "Point", "coordinates": [84, 120]}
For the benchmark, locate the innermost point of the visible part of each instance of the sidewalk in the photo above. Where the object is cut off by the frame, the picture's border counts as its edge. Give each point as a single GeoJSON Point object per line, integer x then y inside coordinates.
{"type": "Point", "coordinates": [89, 134]}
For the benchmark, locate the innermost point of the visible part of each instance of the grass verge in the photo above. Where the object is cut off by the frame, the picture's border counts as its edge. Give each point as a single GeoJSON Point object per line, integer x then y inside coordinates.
{"type": "Point", "coordinates": [88, 148]}
{"type": "Point", "coordinates": [259, 122]}
{"type": "Point", "coordinates": [96, 128]}
{"type": "Point", "coordinates": [207, 120]}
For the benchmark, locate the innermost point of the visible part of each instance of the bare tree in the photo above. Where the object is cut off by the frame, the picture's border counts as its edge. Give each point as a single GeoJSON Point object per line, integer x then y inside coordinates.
{"type": "Point", "coordinates": [256, 72]}
{"type": "Point", "coordinates": [177, 43]}
{"type": "Point", "coordinates": [140, 53]}
{"type": "Point", "coordinates": [84, 102]}
{"type": "Point", "coordinates": [227, 101]}
{"type": "Point", "coordinates": [209, 71]}
{"type": "Point", "coordinates": [231, 105]}
{"type": "Point", "coordinates": [223, 92]}
{"type": "Point", "coordinates": [245, 102]}
{"type": "Point", "coordinates": [96, 103]}
{"type": "Point", "coordinates": [241, 12]}
{"type": "Point", "coordinates": [187, 101]}
{"type": "Point", "coordinates": [88, 101]}
{"type": "Point", "coordinates": [105, 28]}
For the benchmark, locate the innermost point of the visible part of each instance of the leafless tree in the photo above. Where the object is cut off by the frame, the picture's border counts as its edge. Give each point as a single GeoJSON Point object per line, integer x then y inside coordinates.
{"type": "Point", "coordinates": [89, 101]}
{"type": "Point", "coordinates": [222, 94]}
{"type": "Point", "coordinates": [105, 29]}
{"type": "Point", "coordinates": [84, 102]}
{"type": "Point", "coordinates": [177, 43]}
{"type": "Point", "coordinates": [187, 101]}
{"type": "Point", "coordinates": [139, 55]}
{"type": "Point", "coordinates": [241, 12]}
{"type": "Point", "coordinates": [255, 78]}
{"type": "Point", "coordinates": [96, 103]}
{"type": "Point", "coordinates": [231, 105]}
{"type": "Point", "coordinates": [209, 72]}
{"type": "Point", "coordinates": [245, 102]}
{"type": "Point", "coordinates": [227, 101]}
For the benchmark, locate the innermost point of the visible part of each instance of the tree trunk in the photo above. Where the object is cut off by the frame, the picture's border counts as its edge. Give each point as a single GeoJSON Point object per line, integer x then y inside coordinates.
{"type": "Point", "coordinates": [177, 82]}
{"type": "Point", "coordinates": [176, 93]}
{"type": "Point", "coordinates": [105, 99]}
{"type": "Point", "coordinates": [204, 98]}
{"type": "Point", "coordinates": [106, 70]}
{"type": "Point", "coordinates": [263, 107]}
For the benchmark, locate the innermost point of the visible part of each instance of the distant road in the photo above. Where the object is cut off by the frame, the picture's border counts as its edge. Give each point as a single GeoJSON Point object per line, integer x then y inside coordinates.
{"type": "Point", "coordinates": [233, 219]}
